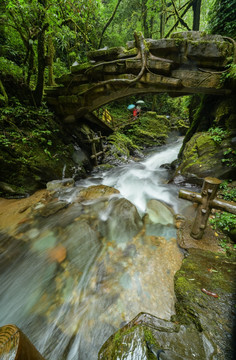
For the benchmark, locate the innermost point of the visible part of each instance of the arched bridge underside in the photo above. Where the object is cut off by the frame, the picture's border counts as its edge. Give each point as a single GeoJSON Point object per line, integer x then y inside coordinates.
{"type": "Point", "coordinates": [187, 63]}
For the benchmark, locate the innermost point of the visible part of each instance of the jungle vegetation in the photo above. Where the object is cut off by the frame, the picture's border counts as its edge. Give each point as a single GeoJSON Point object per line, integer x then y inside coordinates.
{"type": "Point", "coordinates": [41, 39]}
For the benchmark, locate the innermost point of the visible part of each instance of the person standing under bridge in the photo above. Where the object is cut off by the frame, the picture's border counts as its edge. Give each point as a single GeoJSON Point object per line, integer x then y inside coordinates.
{"type": "Point", "coordinates": [135, 113]}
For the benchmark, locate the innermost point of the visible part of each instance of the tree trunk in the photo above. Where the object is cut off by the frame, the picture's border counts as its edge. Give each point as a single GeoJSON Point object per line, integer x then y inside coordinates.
{"type": "Point", "coordinates": [31, 63]}
{"type": "Point", "coordinates": [4, 93]}
{"type": "Point", "coordinates": [162, 19]}
{"type": "Point", "coordinates": [154, 102]}
{"type": "Point", "coordinates": [51, 53]}
{"type": "Point", "coordinates": [38, 92]}
{"type": "Point", "coordinates": [144, 19]}
{"type": "Point", "coordinates": [196, 14]}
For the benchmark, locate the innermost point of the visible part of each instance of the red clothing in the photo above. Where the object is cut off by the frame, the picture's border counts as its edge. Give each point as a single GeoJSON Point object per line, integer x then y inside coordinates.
{"type": "Point", "coordinates": [135, 113]}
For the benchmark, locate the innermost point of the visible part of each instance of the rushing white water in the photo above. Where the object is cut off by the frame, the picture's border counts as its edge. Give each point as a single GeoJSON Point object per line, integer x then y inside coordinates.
{"type": "Point", "coordinates": [139, 182]}
{"type": "Point", "coordinates": [68, 309]}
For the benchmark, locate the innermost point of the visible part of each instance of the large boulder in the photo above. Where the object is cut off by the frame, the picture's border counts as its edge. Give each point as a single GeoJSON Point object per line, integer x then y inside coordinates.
{"type": "Point", "coordinates": [203, 157]}
{"type": "Point", "coordinates": [147, 335]}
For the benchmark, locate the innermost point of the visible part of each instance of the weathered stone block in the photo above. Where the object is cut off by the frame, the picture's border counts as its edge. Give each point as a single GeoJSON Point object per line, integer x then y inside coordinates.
{"type": "Point", "coordinates": [159, 66]}
{"type": "Point", "coordinates": [159, 79]}
{"type": "Point", "coordinates": [162, 45]}
{"type": "Point", "coordinates": [79, 89]}
{"type": "Point", "coordinates": [197, 79]}
{"type": "Point", "coordinates": [133, 64]}
{"type": "Point", "coordinates": [196, 36]}
{"type": "Point", "coordinates": [81, 68]}
{"type": "Point", "coordinates": [209, 53]}
{"type": "Point", "coordinates": [128, 53]}
{"type": "Point", "coordinates": [72, 99]}
{"type": "Point", "coordinates": [105, 54]}
{"type": "Point", "coordinates": [54, 90]}
{"type": "Point", "coordinates": [119, 77]}
{"type": "Point", "coordinates": [117, 68]}
{"type": "Point", "coordinates": [69, 78]}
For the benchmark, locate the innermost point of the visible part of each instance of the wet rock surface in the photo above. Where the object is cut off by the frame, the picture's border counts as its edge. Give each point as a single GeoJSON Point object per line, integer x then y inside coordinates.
{"type": "Point", "coordinates": [205, 291]}
{"type": "Point", "coordinates": [93, 259]}
{"type": "Point", "coordinates": [204, 324]}
{"type": "Point", "coordinates": [145, 336]}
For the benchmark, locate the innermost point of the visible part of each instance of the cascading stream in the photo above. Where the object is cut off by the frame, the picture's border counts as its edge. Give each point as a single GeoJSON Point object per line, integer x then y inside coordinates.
{"type": "Point", "coordinates": [117, 262]}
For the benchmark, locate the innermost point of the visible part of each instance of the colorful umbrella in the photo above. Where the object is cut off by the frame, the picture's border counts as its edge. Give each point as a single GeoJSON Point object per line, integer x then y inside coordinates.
{"type": "Point", "coordinates": [131, 106]}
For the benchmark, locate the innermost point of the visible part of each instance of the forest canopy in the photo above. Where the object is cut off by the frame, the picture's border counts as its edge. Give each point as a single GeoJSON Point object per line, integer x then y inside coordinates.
{"type": "Point", "coordinates": [41, 39]}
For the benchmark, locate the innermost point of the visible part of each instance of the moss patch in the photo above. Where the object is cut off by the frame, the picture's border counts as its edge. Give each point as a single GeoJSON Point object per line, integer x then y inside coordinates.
{"type": "Point", "coordinates": [213, 272]}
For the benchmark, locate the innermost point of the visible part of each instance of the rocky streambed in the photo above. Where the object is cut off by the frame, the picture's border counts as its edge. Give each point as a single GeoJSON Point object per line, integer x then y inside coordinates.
{"type": "Point", "coordinates": [82, 264]}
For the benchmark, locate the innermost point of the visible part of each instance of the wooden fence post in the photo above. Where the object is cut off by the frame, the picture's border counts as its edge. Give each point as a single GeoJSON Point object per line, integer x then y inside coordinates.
{"type": "Point", "coordinates": [206, 201]}
{"type": "Point", "coordinates": [14, 344]}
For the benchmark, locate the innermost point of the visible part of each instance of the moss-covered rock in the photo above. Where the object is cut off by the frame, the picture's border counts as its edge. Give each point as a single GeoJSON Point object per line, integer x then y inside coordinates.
{"type": "Point", "coordinates": [35, 149]}
{"type": "Point", "coordinates": [204, 287]}
{"type": "Point", "coordinates": [146, 336]}
{"type": "Point", "coordinates": [207, 111]}
{"type": "Point", "coordinates": [203, 157]}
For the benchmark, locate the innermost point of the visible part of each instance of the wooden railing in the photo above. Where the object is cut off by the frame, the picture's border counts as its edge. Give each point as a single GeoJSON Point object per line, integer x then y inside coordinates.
{"type": "Point", "coordinates": [96, 142]}
{"type": "Point", "coordinates": [206, 201]}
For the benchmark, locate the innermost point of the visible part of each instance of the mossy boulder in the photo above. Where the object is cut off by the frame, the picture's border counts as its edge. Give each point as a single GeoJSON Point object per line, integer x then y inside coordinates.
{"type": "Point", "coordinates": [28, 167]}
{"type": "Point", "coordinates": [203, 157]}
{"type": "Point", "coordinates": [146, 336]}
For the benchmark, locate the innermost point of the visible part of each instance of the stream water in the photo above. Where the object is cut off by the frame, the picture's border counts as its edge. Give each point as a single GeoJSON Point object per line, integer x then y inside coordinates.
{"type": "Point", "coordinates": [72, 279]}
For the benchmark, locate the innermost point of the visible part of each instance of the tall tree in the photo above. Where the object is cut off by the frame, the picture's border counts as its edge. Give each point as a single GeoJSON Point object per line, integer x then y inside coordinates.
{"type": "Point", "coordinates": [144, 18]}
{"type": "Point", "coordinates": [43, 26]}
{"type": "Point", "coordinates": [196, 14]}
{"type": "Point", "coordinates": [162, 18]}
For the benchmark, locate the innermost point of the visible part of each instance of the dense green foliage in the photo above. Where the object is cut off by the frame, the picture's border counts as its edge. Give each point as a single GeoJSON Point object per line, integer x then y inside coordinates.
{"type": "Point", "coordinates": [31, 148]}
{"type": "Point", "coordinates": [222, 220]}
{"type": "Point", "coordinates": [218, 135]}
{"type": "Point", "coordinates": [223, 18]}
{"type": "Point", "coordinates": [41, 39]}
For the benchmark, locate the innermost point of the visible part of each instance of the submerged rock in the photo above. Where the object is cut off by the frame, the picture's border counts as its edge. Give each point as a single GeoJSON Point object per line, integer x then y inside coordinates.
{"type": "Point", "coordinates": [53, 207]}
{"type": "Point", "coordinates": [96, 191]}
{"type": "Point", "coordinates": [60, 184]}
{"type": "Point", "coordinates": [158, 212]}
{"type": "Point", "coordinates": [203, 327]}
{"type": "Point", "coordinates": [123, 220]}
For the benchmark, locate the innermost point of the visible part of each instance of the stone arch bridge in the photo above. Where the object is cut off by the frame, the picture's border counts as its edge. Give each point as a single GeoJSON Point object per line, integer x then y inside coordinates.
{"type": "Point", "coordinates": [186, 63]}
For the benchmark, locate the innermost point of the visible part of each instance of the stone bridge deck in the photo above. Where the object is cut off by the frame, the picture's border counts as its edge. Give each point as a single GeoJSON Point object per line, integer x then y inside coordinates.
{"type": "Point", "coordinates": [187, 63]}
